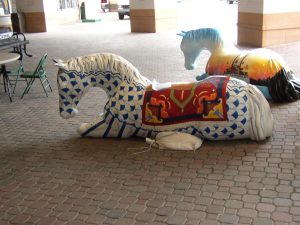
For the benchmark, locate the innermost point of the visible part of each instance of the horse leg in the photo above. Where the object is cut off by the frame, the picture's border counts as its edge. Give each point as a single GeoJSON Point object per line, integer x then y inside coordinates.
{"type": "Point", "coordinates": [106, 126]}
{"type": "Point", "coordinates": [201, 76]}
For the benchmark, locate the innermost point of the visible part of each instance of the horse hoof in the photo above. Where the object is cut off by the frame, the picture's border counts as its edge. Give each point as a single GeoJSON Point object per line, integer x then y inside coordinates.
{"type": "Point", "coordinates": [201, 77]}
{"type": "Point", "coordinates": [83, 128]}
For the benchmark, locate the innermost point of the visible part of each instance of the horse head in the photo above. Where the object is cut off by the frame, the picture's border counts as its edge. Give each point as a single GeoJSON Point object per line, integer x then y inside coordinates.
{"type": "Point", "coordinates": [72, 85]}
{"type": "Point", "coordinates": [195, 41]}
{"type": "Point", "coordinates": [190, 49]}
{"type": "Point", "coordinates": [105, 70]}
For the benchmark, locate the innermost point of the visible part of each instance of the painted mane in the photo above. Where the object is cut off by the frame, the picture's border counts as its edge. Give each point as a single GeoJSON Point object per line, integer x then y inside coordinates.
{"type": "Point", "coordinates": [94, 64]}
{"type": "Point", "coordinates": [210, 34]}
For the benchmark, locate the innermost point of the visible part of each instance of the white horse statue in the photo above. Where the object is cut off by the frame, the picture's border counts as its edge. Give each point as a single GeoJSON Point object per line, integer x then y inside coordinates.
{"type": "Point", "coordinates": [216, 108]}
{"type": "Point", "coordinates": [261, 67]}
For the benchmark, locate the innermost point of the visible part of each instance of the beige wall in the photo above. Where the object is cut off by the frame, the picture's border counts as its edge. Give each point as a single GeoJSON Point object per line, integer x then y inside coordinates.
{"type": "Point", "coordinates": [268, 22]}
{"type": "Point", "coordinates": [152, 15]}
{"type": "Point", "coordinates": [44, 15]}
{"type": "Point", "coordinates": [34, 14]}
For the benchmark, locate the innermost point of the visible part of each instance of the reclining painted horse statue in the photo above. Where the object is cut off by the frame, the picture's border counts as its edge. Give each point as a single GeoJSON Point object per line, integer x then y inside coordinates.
{"type": "Point", "coordinates": [261, 67]}
{"type": "Point", "coordinates": [216, 108]}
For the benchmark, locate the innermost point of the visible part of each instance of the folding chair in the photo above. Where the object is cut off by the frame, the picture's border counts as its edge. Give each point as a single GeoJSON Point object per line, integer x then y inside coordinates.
{"type": "Point", "coordinates": [38, 73]}
{"type": "Point", "coordinates": [14, 76]}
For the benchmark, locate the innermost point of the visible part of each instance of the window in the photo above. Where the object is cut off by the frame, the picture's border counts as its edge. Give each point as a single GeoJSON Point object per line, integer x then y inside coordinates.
{"type": "Point", "coordinates": [67, 4]}
{"type": "Point", "coordinates": [4, 7]}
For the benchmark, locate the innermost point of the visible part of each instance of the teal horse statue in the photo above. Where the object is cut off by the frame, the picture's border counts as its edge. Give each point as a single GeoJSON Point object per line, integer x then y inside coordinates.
{"type": "Point", "coordinates": [261, 67]}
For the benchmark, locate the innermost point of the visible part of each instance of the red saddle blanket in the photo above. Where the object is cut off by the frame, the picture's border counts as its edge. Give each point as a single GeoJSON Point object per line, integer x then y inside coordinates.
{"type": "Point", "coordinates": [200, 101]}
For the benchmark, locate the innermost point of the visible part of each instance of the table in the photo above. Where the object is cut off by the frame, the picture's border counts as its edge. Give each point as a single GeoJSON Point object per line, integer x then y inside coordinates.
{"type": "Point", "coordinates": [7, 58]}
{"type": "Point", "coordinates": [17, 42]}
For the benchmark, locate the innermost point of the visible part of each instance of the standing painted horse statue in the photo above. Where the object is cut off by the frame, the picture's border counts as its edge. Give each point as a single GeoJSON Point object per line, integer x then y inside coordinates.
{"type": "Point", "coordinates": [261, 67]}
{"type": "Point", "coordinates": [216, 108]}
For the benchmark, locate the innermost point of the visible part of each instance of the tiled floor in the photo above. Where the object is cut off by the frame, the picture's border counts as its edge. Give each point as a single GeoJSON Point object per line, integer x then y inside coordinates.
{"type": "Point", "coordinates": [49, 175]}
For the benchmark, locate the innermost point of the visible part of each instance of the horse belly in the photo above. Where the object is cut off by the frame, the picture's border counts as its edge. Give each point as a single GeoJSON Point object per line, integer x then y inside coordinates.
{"type": "Point", "coordinates": [237, 124]}
{"type": "Point", "coordinates": [255, 65]}
{"type": "Point", "coordinates": [224, 117]}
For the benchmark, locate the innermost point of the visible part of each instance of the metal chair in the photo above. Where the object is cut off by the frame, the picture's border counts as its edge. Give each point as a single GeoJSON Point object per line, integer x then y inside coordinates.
{"type": "Point", "coordinates": [38, 73]}
{"type": "Point", "coordinates": [14, 76]}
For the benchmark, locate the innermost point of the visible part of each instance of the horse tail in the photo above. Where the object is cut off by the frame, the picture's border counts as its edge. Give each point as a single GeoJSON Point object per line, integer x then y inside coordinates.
{"type": "Point", "coordinates": [284, 86]}
{"type": "Point", "coordinates": [261, 119]}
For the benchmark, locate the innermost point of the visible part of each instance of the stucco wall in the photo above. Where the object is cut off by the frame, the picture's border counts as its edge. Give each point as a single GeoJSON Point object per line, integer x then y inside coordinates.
{"type": "Point", "coordinates": [268, 22]}
{"type": "Point", "coordinates": [55, 17]}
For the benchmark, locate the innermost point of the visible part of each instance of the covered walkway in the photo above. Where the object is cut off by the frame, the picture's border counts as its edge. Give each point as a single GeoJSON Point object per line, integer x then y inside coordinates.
{"type": "Point", "coordinates": [49, 175]}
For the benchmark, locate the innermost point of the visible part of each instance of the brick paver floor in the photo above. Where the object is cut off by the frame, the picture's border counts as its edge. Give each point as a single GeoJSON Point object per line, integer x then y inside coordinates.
{"type": "Point", "coordinates": [51, 176]}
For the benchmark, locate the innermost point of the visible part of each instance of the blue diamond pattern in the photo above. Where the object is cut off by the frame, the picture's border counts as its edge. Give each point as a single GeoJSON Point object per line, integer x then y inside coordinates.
{"type": "Point", "coordinates": [237, 91]}
{"type": "Point", "coordinates": [215, 135]}
{"type": "Point", "coordinates": [233, 126]}
{"type": "Point", "coordinates": [130, 98]}
{"type": "Point", "coordinates": [235, 115]}
{"type": "Point", "coordinates": [122, 107]}
{"type": "Point", "coordinates": [65, 90]}
{"type": "Point", "coordinates": [74, 83]}
{"type": "Point", "coordinates": [125, 116]}
{"type": "Point", "coordinates": [236, 103]}
{"type": "Point", "coordinates": [71, 75]}
{"type": "Point", "coordinates": [207, 130]}
{"type": "Point", "coordinates": [244, 109]}
{"type": "Point", "coordinates": [224, 131]}
{"type": "Point", "coordinates": [70, 110]}
{"type": "Point", "coordinates": [244, 121]}
{"type": "Point", "coordinates": [231, 135]}
{"type": "Point", "coordinates": [115, 83]}
{"type": "Point", "coordinates": [227, 95]}
{"type": "Point", "coordinates": [108, 77]}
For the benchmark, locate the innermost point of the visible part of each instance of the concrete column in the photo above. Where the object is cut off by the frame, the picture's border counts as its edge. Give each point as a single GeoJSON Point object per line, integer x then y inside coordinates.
{"type": "Point", "coordinates": [34, 14]}
{"type": "Point", "coordinates": [264, 23]}
{"type": "Point", "coordinates": [152, 16]}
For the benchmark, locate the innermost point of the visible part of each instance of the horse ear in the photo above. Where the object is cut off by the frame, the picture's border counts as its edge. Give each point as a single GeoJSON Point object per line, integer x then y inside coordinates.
{"type": "Point", "coordinates": [58, 63]}
{"type": "Point", "coordinates": [182, 34]}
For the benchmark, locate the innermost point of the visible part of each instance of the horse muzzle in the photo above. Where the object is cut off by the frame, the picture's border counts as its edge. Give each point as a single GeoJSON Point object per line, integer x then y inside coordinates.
{"type": "Point", "coordinates": [189, 66]}
{"type": "Point", "coordinates": [68, 113]}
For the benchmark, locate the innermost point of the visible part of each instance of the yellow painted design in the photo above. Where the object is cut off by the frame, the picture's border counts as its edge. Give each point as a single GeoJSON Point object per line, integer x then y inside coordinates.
{"type": "Point", "coordinates": [150, 117]}
{"type": "Point", "coordinates": [216, 111]}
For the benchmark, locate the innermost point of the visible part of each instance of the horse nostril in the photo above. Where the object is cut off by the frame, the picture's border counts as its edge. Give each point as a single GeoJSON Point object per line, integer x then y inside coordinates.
{"type": "Point", "coordinates": [190, 67]}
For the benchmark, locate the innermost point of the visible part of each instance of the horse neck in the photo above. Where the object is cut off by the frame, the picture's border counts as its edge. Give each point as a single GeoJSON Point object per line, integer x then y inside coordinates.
{"type": "Point", "coordinates": [107, 80]}
{"type": "Point", "coordinates": [212, 46]}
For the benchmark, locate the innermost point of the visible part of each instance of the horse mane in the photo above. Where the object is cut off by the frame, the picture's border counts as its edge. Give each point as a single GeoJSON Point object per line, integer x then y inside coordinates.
{"type": "Point", "coordinates": [205, 33]}
{"type": "Point", "coordinates": [104, 62]}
